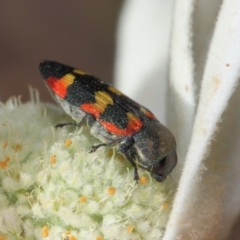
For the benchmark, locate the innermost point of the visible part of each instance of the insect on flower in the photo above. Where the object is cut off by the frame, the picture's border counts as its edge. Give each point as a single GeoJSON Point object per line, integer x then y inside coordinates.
{"type": "Point", "coordinates": [113, 118]}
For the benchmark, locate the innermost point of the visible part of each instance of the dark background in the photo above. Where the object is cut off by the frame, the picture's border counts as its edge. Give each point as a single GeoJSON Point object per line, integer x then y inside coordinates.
{"type": "Point", "coordinates": [77, 33]}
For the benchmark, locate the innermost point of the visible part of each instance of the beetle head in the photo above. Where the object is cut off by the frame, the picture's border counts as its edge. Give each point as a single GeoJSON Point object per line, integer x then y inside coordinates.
{"type": "Point", "coordinates": [155, 148]}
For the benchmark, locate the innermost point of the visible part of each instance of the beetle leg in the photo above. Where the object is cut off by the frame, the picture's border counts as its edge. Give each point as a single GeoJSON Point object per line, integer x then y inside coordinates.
{"type": "Point", "coordinates": [127, 150]}
{"type": "Point", "coordinates": [113, 143]}
{"type": "Point", "coordinates": [60, 125]}
{"type": "Point", "coordinates": [125, 145]}
{"type": "Point", "coordinates": [95, 147]}
{"type": "Point", "coordinates": [136, 175]}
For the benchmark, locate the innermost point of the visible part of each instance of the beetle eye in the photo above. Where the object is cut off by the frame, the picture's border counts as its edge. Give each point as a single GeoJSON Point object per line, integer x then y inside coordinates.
{"type": "Point", "coordinates": [164, 167]}
{"type": "Point", "coordinates": [162, 163]}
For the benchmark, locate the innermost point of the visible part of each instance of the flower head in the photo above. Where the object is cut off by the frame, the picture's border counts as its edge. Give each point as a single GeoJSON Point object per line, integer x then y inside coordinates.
{"type": "Point", "coordinates": [53, 188]}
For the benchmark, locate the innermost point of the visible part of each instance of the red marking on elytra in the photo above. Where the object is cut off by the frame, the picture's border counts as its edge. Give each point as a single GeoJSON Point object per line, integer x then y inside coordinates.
{"type": "Point", "coordinates": [128, 131]}
{"type": "Point", "coordinates": [134, 125]}
{"type": "Point", "coordinates": [57, 86]}
{"type": "Point", "coordinates": [90, 108]}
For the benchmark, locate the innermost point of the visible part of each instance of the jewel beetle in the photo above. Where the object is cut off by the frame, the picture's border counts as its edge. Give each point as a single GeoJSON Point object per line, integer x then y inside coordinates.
{"type": "Point", "coordinates": [113, 118]}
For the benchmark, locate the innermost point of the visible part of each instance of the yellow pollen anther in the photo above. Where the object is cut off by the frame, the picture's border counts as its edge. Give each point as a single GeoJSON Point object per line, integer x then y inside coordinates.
{"type": "Point", "coordinates": [110, 153]}
{"type": "Point", "coordinates": [4, 144]}
{"type": "Point", "coordinates": [130, 228]}
{"type": "Point", "coordinates": [83, 199]}
{"type": "Point", "coordinates": [68, 142]}
{"type": "Point", "coordinates": [98, 238]}
{"type": "Point", "coordinates": [53, 159]}
{"type": "Point", "coordinates": [45, 231]}
{"type": "Point", "coordinates": [18, 147]}
{"type": "Point", "coordinates": [143, 180]}
{"type": "Point", "coordinates": [165, 205]}
{"type": "Point", "coordinates": [68, 236]}
{"type": "Point", "coordinates": [111, 191]}
{"type": "Point", "coordinates": [3, 164]}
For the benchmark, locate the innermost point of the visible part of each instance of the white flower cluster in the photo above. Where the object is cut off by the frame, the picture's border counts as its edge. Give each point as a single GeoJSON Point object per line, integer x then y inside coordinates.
{"type": "Point", "coordinates": [52, 188]}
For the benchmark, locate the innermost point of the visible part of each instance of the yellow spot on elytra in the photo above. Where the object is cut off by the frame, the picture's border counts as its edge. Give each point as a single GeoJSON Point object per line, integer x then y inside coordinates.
{"type": "Point", "coordinates": [111, 191]}
{"type": "Point", "coordinates": [3, 164]}
{"type": "Point", "coordinates": [165, 205]}
{"type": "Point", "coordinates": [68, 142]}
{"type": "Point", "coordinates": [68, 236]}
{"type": "Point", "coordinates": [4, 144]}
{"type": "Point", "coordinates": [103, 97]}
{"type": "Point", "coordinates": [133, 121]}
{"type": "Point", "coordinates": [98, 238]}
{"type": "Point", "coordinates": [102, 100]}
{"type": "Point", "coordinates": [147, 112]}
{"type": "Point", "coordinates": [130, 228]}
{"type": "Point", "coordinates": [132, 117]}
{"type": "Point", "coordinates": [53, 159]}
{"type": "Point", "coordinates": [79, 72]}
{"type": "Point", "coordinates": [45, 231]}
{"type": "Point", "coordinates": [82, 199]}
{"type": "Point", "coordinates": [114, 90]}
{"type": "Point", "coordinates": [18, 147]}
{"type": "Point", "coordinates": [67, 80]}
{"type": "Point", "coordinates": [143, 180]}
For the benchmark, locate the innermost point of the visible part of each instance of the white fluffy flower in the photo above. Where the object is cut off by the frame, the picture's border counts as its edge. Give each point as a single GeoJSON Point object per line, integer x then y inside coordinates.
{"type": "Point", "coordinates": [52, 188]}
